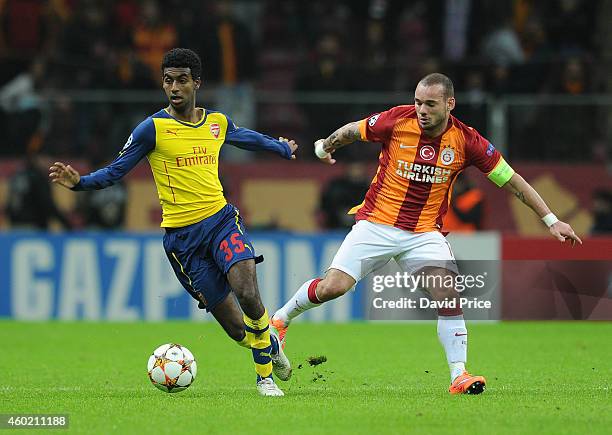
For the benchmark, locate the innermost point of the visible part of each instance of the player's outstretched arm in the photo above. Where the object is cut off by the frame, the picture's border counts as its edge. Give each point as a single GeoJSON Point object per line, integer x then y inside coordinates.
{"type": "Point", "coordinates": [345, 135]}
{"type": "Point", "coordinates": [252, 140]}
{"type": "Point", "coordinates": [64, 175]}
{"type": "Point", "coordinates": [528, 195]}
{"type": "Point", "coordinates": [139, 144]}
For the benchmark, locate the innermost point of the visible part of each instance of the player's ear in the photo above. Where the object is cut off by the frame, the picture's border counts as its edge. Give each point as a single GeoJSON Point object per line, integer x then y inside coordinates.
{"type": "Point", "coordinates": [450, 103]}
{"type": "Point", "coordinates": [197, 82]}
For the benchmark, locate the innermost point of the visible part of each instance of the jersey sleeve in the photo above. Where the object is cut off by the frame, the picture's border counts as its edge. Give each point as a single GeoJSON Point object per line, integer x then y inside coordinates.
{"type": "Point", "coordinates": [138, 145]}
{"type": "Point", "coordinates": [482, 154]}
{"type": "Point", "coordinates": [379, 126]}
{"type": "Point", "coordinates": [254, 141]}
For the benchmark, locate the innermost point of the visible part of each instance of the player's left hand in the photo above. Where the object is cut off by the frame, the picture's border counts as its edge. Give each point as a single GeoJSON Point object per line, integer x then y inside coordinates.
{"type": "Point", "coordinates": [292, 145]}
{"type": "Point", "coordinates": [562, 231]}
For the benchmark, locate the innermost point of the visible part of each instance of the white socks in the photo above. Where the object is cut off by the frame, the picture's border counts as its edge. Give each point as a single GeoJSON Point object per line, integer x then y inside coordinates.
{"type": "Point", "coordinates": [304, 299]}
{"type": "Point", "coordinates": [453, 336]}
{"type": "Point", "coordinates": [451, 329]}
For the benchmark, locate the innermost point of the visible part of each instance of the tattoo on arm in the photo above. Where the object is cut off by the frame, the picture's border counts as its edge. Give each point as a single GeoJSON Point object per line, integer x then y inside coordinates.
{"type": "Point", "coordinates": [527, 195]}
{"type": "Point", "coordinates": [520, 195]}
{"type": "Point", "coordinates": [345, 135]}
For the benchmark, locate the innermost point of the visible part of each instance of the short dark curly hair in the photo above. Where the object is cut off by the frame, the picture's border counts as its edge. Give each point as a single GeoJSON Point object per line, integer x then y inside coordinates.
{"type": "Point", "coordinates": [183, 58]}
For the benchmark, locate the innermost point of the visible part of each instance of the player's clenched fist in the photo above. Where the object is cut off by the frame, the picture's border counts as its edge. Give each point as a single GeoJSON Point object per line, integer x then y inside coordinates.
{"type": "Point", "coordinates": [323, 153]}
{"type": "Point", "coordinates": [64, 175]}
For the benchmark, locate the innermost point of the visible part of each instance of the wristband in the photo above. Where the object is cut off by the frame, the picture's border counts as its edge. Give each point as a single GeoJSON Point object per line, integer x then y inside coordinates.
{"type": "Point", "coordinates": [319, 151]}
{"type": "Point", "coordinates": [550, 219]}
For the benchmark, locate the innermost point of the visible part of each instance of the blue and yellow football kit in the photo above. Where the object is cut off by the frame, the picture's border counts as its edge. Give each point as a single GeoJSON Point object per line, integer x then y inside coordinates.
{"type": "Point", "coordinates": [205, 235]}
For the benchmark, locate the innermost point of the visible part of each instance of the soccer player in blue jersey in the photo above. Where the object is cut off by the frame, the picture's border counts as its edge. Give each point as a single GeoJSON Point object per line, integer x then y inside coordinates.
{"type": "Point", "coordinates": [205, 240]}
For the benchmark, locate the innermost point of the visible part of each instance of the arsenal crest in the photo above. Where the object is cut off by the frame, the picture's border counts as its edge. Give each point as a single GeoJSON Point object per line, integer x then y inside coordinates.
{"type": "Point", "coordinates": [215, 129]}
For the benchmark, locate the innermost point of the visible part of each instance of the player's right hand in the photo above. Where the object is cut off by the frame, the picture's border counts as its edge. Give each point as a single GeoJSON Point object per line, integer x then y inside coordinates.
{"type": "Point", "coordinates": [64, 175]}
{"type": "Point", "coordinates": [328, 158]}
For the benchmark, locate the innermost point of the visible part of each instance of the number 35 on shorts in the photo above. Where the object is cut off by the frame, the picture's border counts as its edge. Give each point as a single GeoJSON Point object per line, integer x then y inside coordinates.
{"type": "Point", "coordinates": [232, 245]}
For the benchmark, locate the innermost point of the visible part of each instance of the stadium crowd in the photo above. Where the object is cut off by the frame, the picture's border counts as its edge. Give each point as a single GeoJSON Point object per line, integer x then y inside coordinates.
{"type": "Point", "coordinates": [66, 63]}
{"type": "Point", "coordinates": [497, 48]}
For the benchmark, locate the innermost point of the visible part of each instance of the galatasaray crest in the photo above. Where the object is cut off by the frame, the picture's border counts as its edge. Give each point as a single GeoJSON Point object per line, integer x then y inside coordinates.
{"type": "Point", "coordinates": [447, 156]}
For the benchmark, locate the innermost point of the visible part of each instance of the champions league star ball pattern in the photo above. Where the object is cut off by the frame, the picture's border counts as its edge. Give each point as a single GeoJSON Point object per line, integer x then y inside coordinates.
{"type": "Point", "coordinates": [172, 368]}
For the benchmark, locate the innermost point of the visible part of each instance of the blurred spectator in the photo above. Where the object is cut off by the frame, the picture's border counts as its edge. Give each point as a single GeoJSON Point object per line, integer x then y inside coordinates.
{"type": "Point", "coordinates": [502, 46]}
{"type": "Point", "coordinates": [531, 76]}
{"type": "Point", "coordinates": [413, 27]}
{"type": "Point", "coordinates": [86, 48]}
{"type": "Point", "coordinates": [62, 137]}
{"type": "Point", "coordinates": [230, 61]}
{"type": "Point", "coordinates": [22, 28]}
{"type": "Point", "coordinates": [456, 23]}
{"type": "Point", "coordinates": [125, 15]}
{"type": "Point", "coordinates": [534, 41]}
{"type": "Point", "coordinates": [602, 212]}
{"type": "Point", "coordinates": [466, 210]}
{"type": "Point", "coordinates": [570, 25]}
{"type": "Point", "coordinates": [571, 123]}
{"type": "Point", "coordinates": [341, 194]}
{"type": "Point", "coordinates": [30, 201]}
{"type": "Point", "coordinates": [227, 49]}
{"type": "Point", "coordinates": [373, 73]}
{"type": "Point", "coordinates": [22, 110]}
{"type": "Point", "coordinates": [132, 73]}
{"type": "Point", "coordinates": [473, 108]}
{"type": "Point", "coordinates": [500, 80]}
{"type": "Point", "coordinates": [324, 73]}
{"type": "Point", "coordinates": [319, 17]}
{"type": "Point", "coordinates": [103, 209]}
{"type": "Point", "coordinates": [153, 36]}
{"type": "Point", "coordinates": [573, 79]}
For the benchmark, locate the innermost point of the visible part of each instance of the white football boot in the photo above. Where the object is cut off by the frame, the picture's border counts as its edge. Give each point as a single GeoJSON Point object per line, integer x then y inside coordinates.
{"type": "Point", "coordinates": [267, 387]}
{"type": "Point", "coordinates": [280, 363]}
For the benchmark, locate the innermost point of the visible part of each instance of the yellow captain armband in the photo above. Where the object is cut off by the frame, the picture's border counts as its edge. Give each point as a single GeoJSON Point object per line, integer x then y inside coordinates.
{"type": "Point", "coordinates": [501, 173]}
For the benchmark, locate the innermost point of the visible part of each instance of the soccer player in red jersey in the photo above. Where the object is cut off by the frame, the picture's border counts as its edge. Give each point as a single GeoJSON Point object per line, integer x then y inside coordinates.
{"type": "Point", "coordinates": [424, 148]}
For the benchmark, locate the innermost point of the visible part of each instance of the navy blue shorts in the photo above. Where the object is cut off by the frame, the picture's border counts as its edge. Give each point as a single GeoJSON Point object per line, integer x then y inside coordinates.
{"type": "Point", "coordinates": [201, 254]}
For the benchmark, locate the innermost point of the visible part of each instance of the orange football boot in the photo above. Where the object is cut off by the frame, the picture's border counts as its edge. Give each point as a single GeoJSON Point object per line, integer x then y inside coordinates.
{"type": "Point", "coordinates": [281, 328]}
{"type": "Point", "coordinates": [467, 384]}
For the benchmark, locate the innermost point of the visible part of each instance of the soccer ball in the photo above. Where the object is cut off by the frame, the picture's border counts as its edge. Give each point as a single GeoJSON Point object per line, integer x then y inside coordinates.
{"type": "Point", "coordinates": [172, 368]}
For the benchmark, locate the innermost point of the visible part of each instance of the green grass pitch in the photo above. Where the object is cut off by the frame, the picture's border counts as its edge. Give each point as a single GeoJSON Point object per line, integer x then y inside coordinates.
{"type": "Point", "coordinates": [379, 378]}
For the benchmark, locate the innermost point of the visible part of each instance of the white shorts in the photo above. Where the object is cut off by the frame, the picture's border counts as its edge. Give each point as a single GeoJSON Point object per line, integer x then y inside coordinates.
{"type": "Point", "coordinates": [369, 246]}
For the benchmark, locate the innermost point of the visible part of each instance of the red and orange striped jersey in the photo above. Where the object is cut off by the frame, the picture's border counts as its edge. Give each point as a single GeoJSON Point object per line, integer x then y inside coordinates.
{"type": "Point", "coordinates": [412, 186]}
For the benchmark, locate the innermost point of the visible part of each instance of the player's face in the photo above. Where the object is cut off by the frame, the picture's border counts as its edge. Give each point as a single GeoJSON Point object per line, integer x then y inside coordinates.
{"type": "Point", "coordinates": [180, 87]}
{"type": "Point", "coordinates": [432, 107]}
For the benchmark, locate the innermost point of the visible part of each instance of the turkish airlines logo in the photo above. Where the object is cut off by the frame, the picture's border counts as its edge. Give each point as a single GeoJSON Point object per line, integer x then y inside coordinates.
{"type": "Point", "coordinates": [427, 152]}
{"type": "Point", "coordinates": [215, 129]}
{"type": "Point", "coordinates": [373, 120]}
